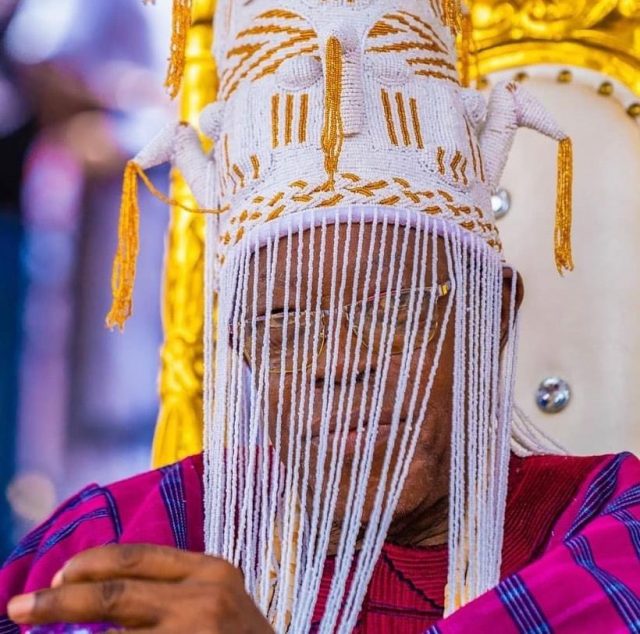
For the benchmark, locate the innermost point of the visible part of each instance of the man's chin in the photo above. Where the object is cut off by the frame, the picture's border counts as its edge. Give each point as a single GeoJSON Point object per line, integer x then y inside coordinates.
{"type": "Point", "coordinates": [411, 497]}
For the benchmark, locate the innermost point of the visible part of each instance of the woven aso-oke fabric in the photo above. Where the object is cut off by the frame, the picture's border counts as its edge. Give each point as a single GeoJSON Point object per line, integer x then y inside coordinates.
{"type": "Point", "coordinates": [599, 503]}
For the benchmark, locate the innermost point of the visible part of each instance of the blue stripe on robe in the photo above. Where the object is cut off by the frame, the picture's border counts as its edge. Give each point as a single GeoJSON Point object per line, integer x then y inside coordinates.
{"type": "Point", "coordinates": [598, 494]}
{"type": "Point", "coordinates": [631, 497]}
{"type": "Point", "coordinates": [115, 514]}
{"type": "Point", "coordinates": [633, 526]}
{"type": "Point", "coordinates": [31, 542]}
{"type": "Point", "coordinates": [625, 601]}
{"type": "Point", "coordinates": [522, 607]}
{"type": "Point", "coordinates": [63, 533]}
{"type": "Point", "coordinates": [7, 626]}
{"type": "Point", "coordinates": [174, 498]}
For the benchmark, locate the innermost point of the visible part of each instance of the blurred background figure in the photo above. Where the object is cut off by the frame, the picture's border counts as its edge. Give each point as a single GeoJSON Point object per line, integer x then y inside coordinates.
{"type": "Point", "coordinates": [80, 90]}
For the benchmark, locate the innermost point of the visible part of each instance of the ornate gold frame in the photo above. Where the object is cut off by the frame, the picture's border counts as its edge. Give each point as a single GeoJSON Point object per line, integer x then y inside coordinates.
{"type": "Point", "coordinates": [602, 35]}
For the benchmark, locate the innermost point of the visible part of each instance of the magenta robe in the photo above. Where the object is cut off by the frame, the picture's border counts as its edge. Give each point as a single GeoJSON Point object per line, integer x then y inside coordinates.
{"type": "Point", "coordinates": [571, 557]}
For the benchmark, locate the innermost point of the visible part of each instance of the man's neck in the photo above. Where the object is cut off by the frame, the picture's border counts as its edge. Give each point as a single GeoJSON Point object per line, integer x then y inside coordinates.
{"type": "Point", "coordinates": [426, 525]}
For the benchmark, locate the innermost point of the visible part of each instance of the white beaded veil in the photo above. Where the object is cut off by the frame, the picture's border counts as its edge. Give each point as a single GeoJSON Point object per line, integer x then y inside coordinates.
{"type": "Point", "coordinates": [260, 514]}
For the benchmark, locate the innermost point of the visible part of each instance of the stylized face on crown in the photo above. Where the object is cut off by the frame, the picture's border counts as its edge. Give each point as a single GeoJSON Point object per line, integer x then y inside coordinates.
{"type": "Point", "coordinates": [321, 106]}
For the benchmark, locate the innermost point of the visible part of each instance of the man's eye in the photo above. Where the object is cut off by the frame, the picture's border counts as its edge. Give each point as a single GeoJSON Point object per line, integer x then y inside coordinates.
{"type": "Point", "coordinates": [299, 72]}
{"type": "Point", "coordinates": [275, 336]}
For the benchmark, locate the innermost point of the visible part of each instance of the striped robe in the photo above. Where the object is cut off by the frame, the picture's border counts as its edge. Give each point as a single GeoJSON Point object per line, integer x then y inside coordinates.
{"type": "Point", "coordinates": [571, 557]}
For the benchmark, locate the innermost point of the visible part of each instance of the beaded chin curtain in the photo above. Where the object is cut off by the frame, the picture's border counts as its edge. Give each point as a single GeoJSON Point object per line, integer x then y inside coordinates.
{"type": "Point", "coordinates": [351, 244]}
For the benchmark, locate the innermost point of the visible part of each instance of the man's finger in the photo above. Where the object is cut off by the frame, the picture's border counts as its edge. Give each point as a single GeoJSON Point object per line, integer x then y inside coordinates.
{"type": "Point", "coordinates": [142, 561]}
{"type": "Point", "coordinates": [123, 601]}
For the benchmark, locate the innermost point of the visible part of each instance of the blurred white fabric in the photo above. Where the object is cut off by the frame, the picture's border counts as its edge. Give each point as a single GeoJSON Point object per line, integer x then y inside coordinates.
{"type": "Point", "coordinates": [583, 327]}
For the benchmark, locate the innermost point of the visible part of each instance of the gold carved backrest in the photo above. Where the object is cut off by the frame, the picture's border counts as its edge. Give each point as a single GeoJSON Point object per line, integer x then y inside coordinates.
{"type": "Point", "coordinates": [581, 328]}
{"type": "Point", "coordinates": [601, 35]}
{"type": "Point", "coordinates": [179, 428]}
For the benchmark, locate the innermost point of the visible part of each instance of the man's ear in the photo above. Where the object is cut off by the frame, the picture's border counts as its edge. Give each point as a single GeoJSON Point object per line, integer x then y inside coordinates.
{"type": "Point", "coordinates": [507, 289]}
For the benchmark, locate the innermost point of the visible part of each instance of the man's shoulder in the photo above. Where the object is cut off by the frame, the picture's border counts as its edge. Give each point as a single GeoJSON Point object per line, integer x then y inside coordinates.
{"type": "Point", "coordinates": [134, 506]}
{"type": "Point", "coordinates": [567, 469]}
{"type": "Point", "coordinates": [545, 477]}
{"type": "Point", "coordinates": [133, 491]}
{"type": "Point", "coordinates": [548, 492]}
{"type": "Point", "coordinates": [162, 506]}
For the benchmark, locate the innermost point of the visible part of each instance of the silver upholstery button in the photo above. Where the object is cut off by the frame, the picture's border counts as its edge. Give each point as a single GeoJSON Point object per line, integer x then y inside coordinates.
{"type": "Point", "coordinates": [501, 203]}
{"type": "Point", "coordinates": [553, 395]}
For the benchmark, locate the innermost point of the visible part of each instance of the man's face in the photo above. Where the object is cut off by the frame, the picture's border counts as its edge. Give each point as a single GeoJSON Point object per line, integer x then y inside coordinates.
{"type": "Point", "coordinates": [427, 482]}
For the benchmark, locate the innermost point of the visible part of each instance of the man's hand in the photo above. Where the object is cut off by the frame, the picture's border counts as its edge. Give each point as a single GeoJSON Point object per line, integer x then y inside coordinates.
{"type": "Point", "coordinates": [146, 589]}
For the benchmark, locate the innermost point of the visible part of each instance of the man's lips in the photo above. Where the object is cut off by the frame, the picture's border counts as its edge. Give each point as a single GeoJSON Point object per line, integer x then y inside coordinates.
{"type": "Point", "coordinates": [383, 425]}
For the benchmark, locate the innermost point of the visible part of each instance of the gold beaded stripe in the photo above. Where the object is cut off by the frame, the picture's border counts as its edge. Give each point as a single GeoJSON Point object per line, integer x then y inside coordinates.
{"type": "Point", "coordinates": [351, 188]}
{"type": "Point", "coordinates": [389, 35]}
{"type": "Point", "coordinates": [407, 126]}
{"type": "Point", "coordinates": [260, 49]}
{"type": "Point", "coordinates": [180, 23]}
{"type": "Point", "coordinates": [284, 114]}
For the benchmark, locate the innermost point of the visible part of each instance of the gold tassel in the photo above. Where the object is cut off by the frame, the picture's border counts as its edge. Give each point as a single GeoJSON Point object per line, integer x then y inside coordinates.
{"type": "Point", "coordinates": [564, 205]}
{"type": "Point", "coordinates": [180, 23]}
{"type": "Point", "coordinates": [332, 131]}
{"type": "Point", "coordinates": [452, 14]}
{"type": "Point", "coordinates": [124, 265]}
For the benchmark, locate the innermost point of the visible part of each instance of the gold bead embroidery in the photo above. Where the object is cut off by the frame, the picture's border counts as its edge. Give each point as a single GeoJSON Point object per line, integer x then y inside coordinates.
{"type": "Point", "coordinates": [180, 23]}
{"type": "Point", "coordinates": [440, 159]}
{"type": "Point", "coordinates": [279, 196]}
{"type": "Point", "coordinates": [255, 163]}
{"type": "Point", "coordinates": [332, 131]}
{"type": "Point", "coordinates": [386, 106]}
{"type": "Point", "coordinates": [276, 212]}
{"type": "Point", "coordinates": [288, 119]}
{"type": "Point", "coordinates": [472, 147]}
{"type": "Point", "coordinates": [416, 122]}
{"type": "Point", "coordinates": [240, 174]}
{"type": "Point", "coordinates": [329, 202]}
{"type": "Point", "coordinates": [275, 103]}
{"type": "Point", "coordinates": [304, 110]}
{"type": "Point", "coordinates": [403, 119]}
{"type": "Point", "coordinates": [457, 159]}
{"type": "Point", "coordinates": [562, 233]}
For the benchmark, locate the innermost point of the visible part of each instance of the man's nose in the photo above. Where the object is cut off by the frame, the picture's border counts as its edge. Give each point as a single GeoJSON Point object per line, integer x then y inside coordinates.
{"type": "Point", "coordinates": [348, 82]}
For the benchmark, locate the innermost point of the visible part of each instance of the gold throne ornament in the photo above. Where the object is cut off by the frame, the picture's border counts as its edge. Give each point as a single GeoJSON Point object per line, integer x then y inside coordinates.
{"type": "Point", "coordinates": [601, 35]}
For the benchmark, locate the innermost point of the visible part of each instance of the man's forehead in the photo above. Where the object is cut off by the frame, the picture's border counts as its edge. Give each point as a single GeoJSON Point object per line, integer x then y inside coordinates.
{"type": "Point", "coordinates": [304, 262]}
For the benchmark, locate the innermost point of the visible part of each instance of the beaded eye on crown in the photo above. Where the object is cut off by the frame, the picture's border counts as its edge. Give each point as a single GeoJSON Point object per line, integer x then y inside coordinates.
{"type": "Point", "coordinates": [389, 71]}
{"type": "Point", "coordinates": [298, 73]}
